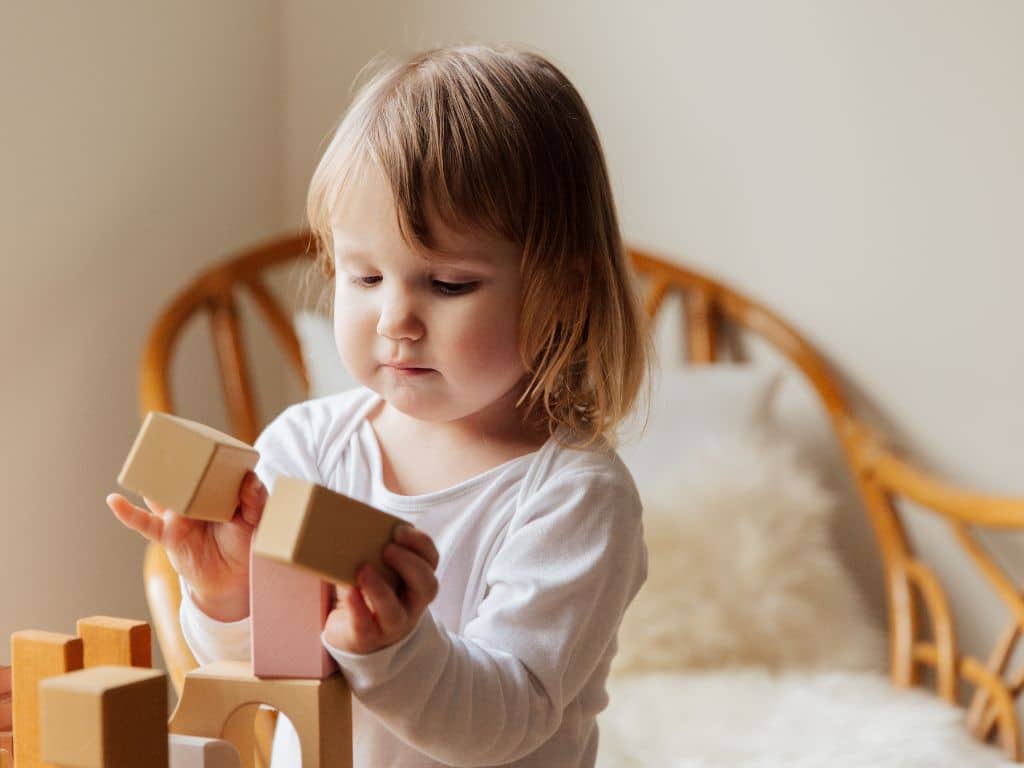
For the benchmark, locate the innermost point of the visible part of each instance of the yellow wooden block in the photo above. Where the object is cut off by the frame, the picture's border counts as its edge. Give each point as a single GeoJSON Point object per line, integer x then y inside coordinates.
{"type": "Point", "coordinates": [320, 710]}
{"type": "Point", "coordinates": [188, 467]}
{"type": "Point", "coordinates": [5, 759]}
{"type": "Point", "coordinates": [324, 532]}
{"type": "Point", "coordinates": [105, 717]}
{"type": "Point", "coordinates": [35, 656]}
{"type": "Point", "coordinates": [111, 641]}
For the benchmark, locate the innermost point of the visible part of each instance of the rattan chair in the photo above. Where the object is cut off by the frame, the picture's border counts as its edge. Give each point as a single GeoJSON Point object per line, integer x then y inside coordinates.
{"type": "Point", "coordinates": [914, 595]}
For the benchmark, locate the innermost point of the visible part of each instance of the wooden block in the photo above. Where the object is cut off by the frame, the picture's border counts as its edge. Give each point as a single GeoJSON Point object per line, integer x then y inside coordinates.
{"type": "Point", "coordinates": [327, 533]}
{"type": "Point", "coordinates": [320, 710]}
{"type": "Point", "coordinates": [200, 752]}
{"type": "Point", "coordinates": [187, 466]}
{"type": "Point", "coordinates": [105, 717]}
{"type": "Point", "coordinates": [5, 759]}
{"type": "Point", "coordinates": [35, 656]}
{"type": "Point", "coordinates": [120, 642]}
{"type": "Point", "coordinates": [288, 608]}
{"type": "Point", "coordinates": [6, 715]}
{"type": "Point", "coordinates": [7, 741]}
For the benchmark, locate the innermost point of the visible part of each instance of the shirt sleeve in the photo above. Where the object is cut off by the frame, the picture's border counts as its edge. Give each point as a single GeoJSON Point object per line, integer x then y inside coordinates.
{"type": "Point", "coordinates": [557, 589]}
{"type": "Point", "coordinates": [285, 448]}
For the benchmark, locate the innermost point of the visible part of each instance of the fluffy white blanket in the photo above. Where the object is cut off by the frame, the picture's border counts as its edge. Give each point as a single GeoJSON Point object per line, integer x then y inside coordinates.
{"type": "Point", "coordinates": [749, 646]}
{"type": "Point", "coordinates": [754, 719]}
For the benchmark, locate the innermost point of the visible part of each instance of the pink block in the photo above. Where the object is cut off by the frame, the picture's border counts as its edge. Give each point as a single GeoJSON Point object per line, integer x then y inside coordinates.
{"type": "Point", "coordinates": [289, 608]}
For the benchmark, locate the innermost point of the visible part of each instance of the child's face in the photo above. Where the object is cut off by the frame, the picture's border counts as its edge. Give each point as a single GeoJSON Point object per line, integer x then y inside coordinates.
{"type": "Point", "coordinates": [457, 317]}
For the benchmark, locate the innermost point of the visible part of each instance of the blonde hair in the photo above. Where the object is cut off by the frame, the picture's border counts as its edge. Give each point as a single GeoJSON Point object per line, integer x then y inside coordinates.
{"type": "Point", "coordinates": [498, 139]}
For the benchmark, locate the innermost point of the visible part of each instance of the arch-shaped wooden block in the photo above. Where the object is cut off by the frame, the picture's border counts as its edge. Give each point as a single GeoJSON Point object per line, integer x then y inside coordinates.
{"type": "Point", "coordinates": [320, 710]}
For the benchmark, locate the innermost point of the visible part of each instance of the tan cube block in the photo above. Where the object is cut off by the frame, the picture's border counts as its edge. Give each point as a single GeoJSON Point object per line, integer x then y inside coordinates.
{"type": "Point", "coordinates": [327, 533]}
{"type": "Point", "coordinates": [187, 466]}
{"type": "Point", "coordinates": [105, 717]}
{"type": "Point", "coordinates": [109, 640]}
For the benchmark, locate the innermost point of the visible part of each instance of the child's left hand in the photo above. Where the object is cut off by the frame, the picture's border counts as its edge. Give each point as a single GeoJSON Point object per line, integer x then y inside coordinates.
{"type": "Point", "coordinates": [371, 615]}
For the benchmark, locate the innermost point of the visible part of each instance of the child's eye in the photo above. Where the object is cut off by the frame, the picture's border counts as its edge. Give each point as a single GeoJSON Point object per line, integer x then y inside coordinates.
{"type": "Point", "coordinates": [454, 289]}
{"type": "Point", "coordinates": [373, 280]}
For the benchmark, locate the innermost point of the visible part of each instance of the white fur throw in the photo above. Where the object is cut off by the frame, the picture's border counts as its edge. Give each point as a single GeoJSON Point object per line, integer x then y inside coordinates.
{"type": "Point", "coordinates": [742, 570]}
{"type": "Point", "coordinates": [754, 719]}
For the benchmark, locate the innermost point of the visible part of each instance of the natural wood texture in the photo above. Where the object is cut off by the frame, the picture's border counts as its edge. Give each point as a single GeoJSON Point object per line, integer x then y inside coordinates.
{"type": "Point", "coordinates": [882, 476]}
{"type": "Point", "coordinates": [6, 713]}
{"type": "Point", "coordinates": [163, 594]}
{"type": "Point", "coordinates": [239, 731]}
{"type": "Point", "coordinates": [212, 292]}
{"type": "Point", "coordinates": [187, 466]}
{"type": "Point", "coordinates": [309, 526]}
{"type": "Point", "coordinates": [108, 640]}
{"type": "Point", "coordinates": [36, 656]}
{"type": "Point", "coordinates": [320, 710]}
{"type": "Point", "coordinates": [105, 717]}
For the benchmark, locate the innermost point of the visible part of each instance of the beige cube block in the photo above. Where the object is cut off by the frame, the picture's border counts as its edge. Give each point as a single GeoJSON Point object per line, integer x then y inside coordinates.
{"type": "Point", "coordinates": [105, 717]}
{"type": "Point", "coordinates": [187, 466]}
{"type": "Point", "coordinates": [327, 533]}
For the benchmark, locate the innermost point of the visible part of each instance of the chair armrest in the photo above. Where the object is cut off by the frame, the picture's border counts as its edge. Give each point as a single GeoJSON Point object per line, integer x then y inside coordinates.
{"type": "Point", "coordinates": [163, 595]}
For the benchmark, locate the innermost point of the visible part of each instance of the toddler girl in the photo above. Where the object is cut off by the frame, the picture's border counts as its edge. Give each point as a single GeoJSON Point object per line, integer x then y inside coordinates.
{"type": "Point", "coordinates": [483, 299]}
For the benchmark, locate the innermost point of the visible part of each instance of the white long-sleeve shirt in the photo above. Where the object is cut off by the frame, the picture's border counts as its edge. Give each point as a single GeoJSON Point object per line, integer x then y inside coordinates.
{"type": "Point", "coordinates": [539, 558]}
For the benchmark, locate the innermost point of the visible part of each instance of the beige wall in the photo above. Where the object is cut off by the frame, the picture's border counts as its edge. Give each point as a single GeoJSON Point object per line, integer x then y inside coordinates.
{"type": "Point", "coordinates": [139, 140]}
{"type": "Point", "coordinates": [855, 165]}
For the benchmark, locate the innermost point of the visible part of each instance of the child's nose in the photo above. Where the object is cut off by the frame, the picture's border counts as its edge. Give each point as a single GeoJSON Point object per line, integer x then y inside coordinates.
{"type": "Point", "coordinates": [399, 320]}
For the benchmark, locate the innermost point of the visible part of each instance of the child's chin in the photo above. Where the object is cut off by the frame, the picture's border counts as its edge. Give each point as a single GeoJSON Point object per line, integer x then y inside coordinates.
{"type": "Point", "coordinates": [413, 401]}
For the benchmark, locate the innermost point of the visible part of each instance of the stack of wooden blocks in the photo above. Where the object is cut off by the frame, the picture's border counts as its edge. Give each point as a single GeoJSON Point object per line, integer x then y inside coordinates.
{"type": "Point", "coordinates": [91, 701]}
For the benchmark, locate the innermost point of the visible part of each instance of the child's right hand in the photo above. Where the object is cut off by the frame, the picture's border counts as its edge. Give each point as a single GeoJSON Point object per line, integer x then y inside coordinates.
{"type": "Point", "coordinates": [212, 558]}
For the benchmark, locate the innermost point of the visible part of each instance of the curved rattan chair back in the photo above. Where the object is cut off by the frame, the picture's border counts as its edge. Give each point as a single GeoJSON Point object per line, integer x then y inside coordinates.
{"type": "Point", "coordinates": [881, 475]}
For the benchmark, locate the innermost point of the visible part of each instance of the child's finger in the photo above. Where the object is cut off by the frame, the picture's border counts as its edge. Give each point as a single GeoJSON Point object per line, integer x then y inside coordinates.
{"type": "Point", "coordinates": [362, 624]}
{"type": "Point", "coordinates": [155, 507]}
{"type": "Point", "coordinates": [252, 497]}
{"type": "Point", "coordinates": [252, 491]}
{"type": "Point", "coordinates": [148, 524]}
{"type": "Point", "coordinates": [418, 541]}
{"type": "Point", "coordinates": [418, 575]}
{"type": "Point", "coordinates": [381, 599]}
